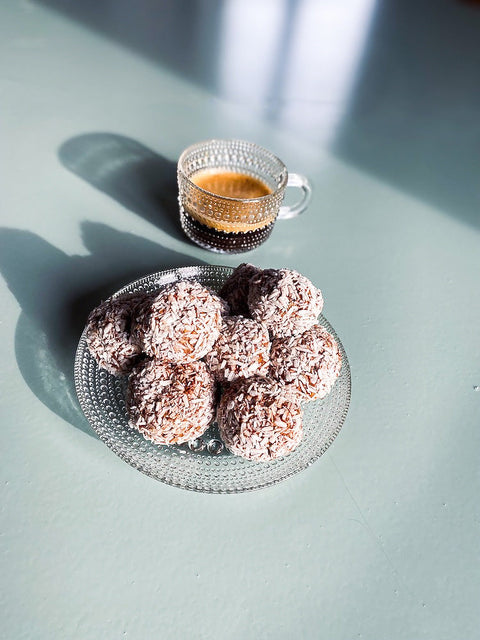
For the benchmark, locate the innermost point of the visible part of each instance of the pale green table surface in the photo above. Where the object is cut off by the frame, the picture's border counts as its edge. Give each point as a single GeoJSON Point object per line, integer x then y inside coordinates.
{"type": "Point", "coordinates": [378, 103]}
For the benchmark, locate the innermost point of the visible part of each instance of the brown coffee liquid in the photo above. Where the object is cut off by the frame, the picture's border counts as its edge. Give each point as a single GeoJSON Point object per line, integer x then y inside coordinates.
{"type": "Point", "coordinates": [217, 235]}
{"type": "Point", "coordinates": [230, 184]}
{"type": "Point", "coordinates": [223, 241]}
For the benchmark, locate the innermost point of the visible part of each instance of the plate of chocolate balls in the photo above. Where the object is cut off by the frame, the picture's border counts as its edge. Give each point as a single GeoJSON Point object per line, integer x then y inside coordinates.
{"type": "Point", "coordinates": [214, 379]}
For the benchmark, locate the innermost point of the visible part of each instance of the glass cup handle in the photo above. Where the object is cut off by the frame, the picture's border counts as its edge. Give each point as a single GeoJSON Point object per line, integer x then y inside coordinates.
{"type": "Point", "coordinates": [296, 180]}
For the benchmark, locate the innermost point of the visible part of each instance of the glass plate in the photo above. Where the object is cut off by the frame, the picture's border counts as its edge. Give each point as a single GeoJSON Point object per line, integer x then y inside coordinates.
{"type": "Point", "coordinates": [204, 465]}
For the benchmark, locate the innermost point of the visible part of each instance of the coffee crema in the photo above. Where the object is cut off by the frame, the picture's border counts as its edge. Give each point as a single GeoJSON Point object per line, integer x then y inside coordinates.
{"type": "Point", "coordinates": [229, 184]}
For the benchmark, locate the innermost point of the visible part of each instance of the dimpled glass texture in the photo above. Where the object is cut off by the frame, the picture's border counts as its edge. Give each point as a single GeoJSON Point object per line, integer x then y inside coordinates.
{"type": "Point", "coordinates": [203, 465]}
{"type": "Point", "coordinates": [222, 224]}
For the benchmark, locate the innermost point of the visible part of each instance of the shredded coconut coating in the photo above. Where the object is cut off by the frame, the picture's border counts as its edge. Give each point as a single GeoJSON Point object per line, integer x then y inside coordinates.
{"type": "Point", "coordinates": [182, 322]}
{"type": "Point", "coordinates": [307, 365]}
{"type": "Point", "coordinates": [109, 333]}
{"type": "Point", "coordinates": [257, 422]}
{"type": "Point", "coordinates": [285, 301]}
{"type": "Point", "coordinates": [241, 351]}
{"type": "Point", "coordinates": [235, 289]}
{"type": "Point", "coordinates": [171, 403]}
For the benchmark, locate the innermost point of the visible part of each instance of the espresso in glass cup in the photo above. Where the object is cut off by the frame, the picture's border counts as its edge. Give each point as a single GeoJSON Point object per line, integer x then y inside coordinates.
{"type": "Point", "coordinates": [231, 192]}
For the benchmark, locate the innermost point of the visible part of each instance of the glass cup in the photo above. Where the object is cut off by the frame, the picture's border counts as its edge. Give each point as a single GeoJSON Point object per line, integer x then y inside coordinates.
{"type": "Point", "coordinates": [230, 194]}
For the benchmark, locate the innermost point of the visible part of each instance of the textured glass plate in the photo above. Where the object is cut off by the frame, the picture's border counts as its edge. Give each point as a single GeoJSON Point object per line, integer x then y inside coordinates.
{"type": "Point", "coordinates": [102, 398]}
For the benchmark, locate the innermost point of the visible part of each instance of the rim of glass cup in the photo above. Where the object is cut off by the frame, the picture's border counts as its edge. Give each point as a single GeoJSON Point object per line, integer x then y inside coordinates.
{"type": "Point", "coordinates": [254, 145]}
